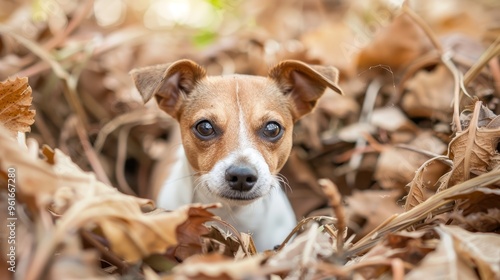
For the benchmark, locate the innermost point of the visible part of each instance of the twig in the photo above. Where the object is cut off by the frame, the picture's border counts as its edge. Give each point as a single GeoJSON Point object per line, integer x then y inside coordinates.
{"type": "Point", "coordinates": [132, 118]}
{"type": "Point", "coordinates": [70, 82]}
{"type": "Point", "coordinates": [373, 142]}
{"type": "Point", "coordinates": [456, 90]}
{"type": "Point", "coordinates": [492, 51]}
{"type": "Point", "coordinates": [424, 26]}
{"type": "Point", "coordinates": [495, 72]}
{"type": "Point", "coordinates": [41, 125]}
{"type": "Point", "coordinates": [91, 154]}
{"type": "Point", "coordinates": [120, 161]}
{"type": "Point", "coordinates": [234, 232]}
{"type": "Point", "coordinates": [366, 112]}
{"type": "Point", "coordinates": [335, 202]}
{"type": "Point", "coordinates": [309, 246]}
{"type": "Point", "coordinates": [75, 22]}
{"type": "Point", "coordinates": [424, 152]}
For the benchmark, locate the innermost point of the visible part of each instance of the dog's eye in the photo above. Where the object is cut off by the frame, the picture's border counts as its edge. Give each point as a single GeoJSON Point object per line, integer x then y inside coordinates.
{"type": "Point", "coordinates": [205, 129]}
{"type": "Point", "coordinates": [272, 131]}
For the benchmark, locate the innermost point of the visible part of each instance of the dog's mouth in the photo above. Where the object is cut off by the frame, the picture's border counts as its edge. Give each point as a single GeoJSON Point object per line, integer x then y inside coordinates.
{"type": "Point", "coordinates": [240, 196]}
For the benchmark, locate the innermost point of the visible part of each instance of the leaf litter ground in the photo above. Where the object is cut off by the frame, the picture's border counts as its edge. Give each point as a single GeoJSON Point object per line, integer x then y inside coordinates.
{"type": "Point", "coordinates": [397, 179]}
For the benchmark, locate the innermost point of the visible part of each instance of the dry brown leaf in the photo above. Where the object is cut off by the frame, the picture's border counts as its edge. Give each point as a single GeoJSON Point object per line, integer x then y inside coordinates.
{"type": "Point", "coordinates": [396, 45]}
{"type": "Point", "coordinates": [331, 106]}
{"type": "Point", "coordinates": [87, 203]}
{"type": "Point", "coordinates": [430, 95]}
{"type": "Point", "coordinates": [487, 221]}
{"type": "Point", "coordinates": [190, 234]}
{"type": "Point", "coordinates": [410, 247]}
{"type": "Point", "coordinates": [486, 118]}
{"type": "Point", "coordinates": [72, 262]}
{"type": "Point", "coordinates": [472, 150]}
{"type": "Point", "coordinates": [15, 102]}
{"type": "Point", "coordinates": [216, 266]}
{"type": "Point", "coordinates": [75, 184]}
{"type": "Point", "coordinates": [392, 119]}
{"type": "Point", "coordinates": [299, 256]}
{"type": "Point", "coordinates": [373, 207]}
{"type": "Point", "coordinates": [225, 244]}
{"type": "Point", "coordinates": [391, 175]}
{"type": "Point", "coordinates": [132, 235]}
{"type": "Point", "coordinates": [478, 249]}
{"type": "Point", "coordinates": [423, 184]}
{"type": "Point", "coordinates": [39, 184]}
{"type": "Point", "coordinates": [444, 263]}
{"type": "Point", "coordinates": [328, 43]}
{"type": "Point", "coordinates": [477, 200]}
{"type": "Point", "coordinates": [423, 210]}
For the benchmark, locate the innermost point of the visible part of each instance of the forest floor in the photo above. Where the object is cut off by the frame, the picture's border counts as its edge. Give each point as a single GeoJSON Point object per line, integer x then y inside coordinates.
{"type": "Point", "coordinates": [399, 178]}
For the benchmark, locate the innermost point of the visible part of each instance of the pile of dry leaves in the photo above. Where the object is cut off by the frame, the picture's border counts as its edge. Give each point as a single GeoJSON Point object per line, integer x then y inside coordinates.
{"type": "Point", "coordinates": [399, 178]}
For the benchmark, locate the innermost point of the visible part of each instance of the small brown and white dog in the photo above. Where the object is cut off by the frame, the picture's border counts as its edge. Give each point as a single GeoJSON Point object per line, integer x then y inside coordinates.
{"type": "Point", "coordinates": [236, 135]}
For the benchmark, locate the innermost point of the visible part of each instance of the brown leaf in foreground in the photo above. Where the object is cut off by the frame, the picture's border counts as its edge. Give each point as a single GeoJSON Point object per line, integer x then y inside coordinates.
{"type": "Point", "coordinates": [15, 102]}
{"type": "Point", "coordinates": [459, 254]}
{"type": "Point", "coordinates": [215, 266]}
{"type": "Point", "coordinates": [443, 263]}
{"type": "Point", "coordinates": [478, 249]}
{"type": "Point", "coordinates": [82, 202]}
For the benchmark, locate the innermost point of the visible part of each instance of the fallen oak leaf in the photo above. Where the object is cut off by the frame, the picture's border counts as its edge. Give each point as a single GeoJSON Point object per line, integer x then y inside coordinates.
{"type": "Point", "coordinates": [15, 102]}
{"type": "Point", "coordinates": [472, 150]}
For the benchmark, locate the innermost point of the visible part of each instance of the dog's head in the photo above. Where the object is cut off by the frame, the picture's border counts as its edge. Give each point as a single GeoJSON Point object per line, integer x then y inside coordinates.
{"type": "Point", "coordinates": [237, 129]}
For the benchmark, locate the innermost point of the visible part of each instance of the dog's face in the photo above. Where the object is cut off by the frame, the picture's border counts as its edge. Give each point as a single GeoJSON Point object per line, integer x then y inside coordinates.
{"type": "Point", "coordinates": [236, 130]}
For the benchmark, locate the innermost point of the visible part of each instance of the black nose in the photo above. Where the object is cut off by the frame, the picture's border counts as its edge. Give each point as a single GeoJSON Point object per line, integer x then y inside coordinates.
{"type": "Point", "coordinates": [241, 178]}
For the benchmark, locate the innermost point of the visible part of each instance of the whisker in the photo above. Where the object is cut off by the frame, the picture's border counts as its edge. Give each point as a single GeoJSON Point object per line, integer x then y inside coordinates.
{"type": "Point", "coordinates": [198, 182]}
{"type": "Point", "coordinates": [284, 181]}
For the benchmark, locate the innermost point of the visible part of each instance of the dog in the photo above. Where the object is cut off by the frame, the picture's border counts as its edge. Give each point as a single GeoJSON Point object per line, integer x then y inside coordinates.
{"type": "Point", "coordinates": [236, 135]}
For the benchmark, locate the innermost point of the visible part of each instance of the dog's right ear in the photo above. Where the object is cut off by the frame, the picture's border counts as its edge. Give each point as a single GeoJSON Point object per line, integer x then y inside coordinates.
{"type": "Point", "coordinates": [168, 83]}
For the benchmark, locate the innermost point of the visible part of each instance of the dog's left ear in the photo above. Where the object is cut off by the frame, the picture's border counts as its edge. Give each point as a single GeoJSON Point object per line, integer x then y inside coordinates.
{"type": "Point", "coordinates": [304, 83]}
{"type": "Point", "coordinates": [168, 83]}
